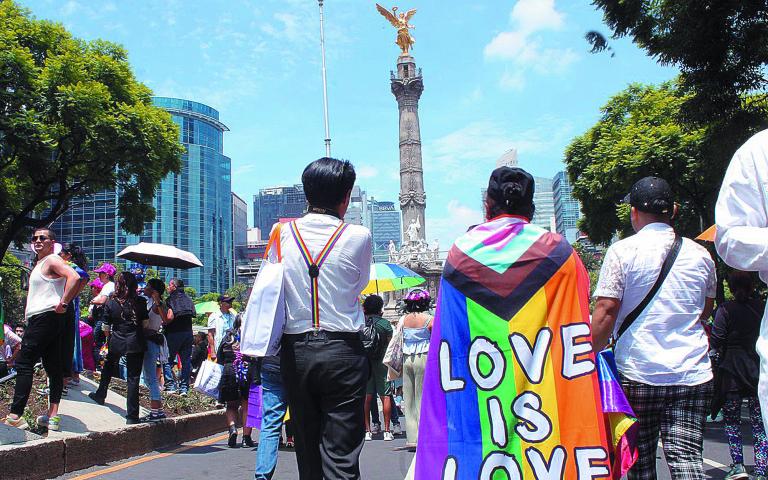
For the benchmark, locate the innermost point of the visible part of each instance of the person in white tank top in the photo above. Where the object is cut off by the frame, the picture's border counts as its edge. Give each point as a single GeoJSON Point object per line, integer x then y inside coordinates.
{"type": "Point", "coordinates": [52, 285]}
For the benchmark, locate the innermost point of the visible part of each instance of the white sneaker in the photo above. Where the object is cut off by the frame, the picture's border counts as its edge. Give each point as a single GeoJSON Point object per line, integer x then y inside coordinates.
{"type": "Point", "coordinates": [396, 429]}
{"type": "Point", "coordinates": [388, 437]}
{"type": "Point", "coordinates": [376, 428]}
{"type": "Point", "coordinates": [368, 436]}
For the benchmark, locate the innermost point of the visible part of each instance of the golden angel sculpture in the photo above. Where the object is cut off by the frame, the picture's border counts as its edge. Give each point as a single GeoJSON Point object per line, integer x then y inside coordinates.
{"type": "Point", "coordinates": [400, 21]}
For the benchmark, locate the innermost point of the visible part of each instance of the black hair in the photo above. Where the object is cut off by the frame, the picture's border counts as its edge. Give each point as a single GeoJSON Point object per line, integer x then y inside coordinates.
{"type": "Point", "coordinates": [51, 233]}
{"type": "Point", "coordinates": [415, 306]}
{"type": "Point", "coordinates": [77, 253]}
{"type": "Point", "coordinates": [512, 206]}
{"type": "Point", "coordinates": [742, 285]}
{"type": "Point", "coordinates": [327, 182]}
{"type": "Point", "coordinates": [373, 304]}
{"type": "Point", "coordinates": [126, 286]}
{"type": "Point", "coordinates": [157, 285]}
{"type": "Point", "coordinates": [178, 282]}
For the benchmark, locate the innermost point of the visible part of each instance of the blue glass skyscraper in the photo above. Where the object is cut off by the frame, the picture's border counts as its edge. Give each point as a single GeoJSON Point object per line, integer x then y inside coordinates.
{"type": "Point", "coordinates": [193, 207]}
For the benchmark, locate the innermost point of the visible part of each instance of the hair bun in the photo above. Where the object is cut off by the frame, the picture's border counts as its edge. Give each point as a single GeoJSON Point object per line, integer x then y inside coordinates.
{"type": "Point", "coordinates": [512, 191]}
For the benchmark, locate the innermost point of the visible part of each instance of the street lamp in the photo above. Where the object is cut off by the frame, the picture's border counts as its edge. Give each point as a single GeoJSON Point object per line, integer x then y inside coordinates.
{"type": "Point", "coordinates": [325, 84]}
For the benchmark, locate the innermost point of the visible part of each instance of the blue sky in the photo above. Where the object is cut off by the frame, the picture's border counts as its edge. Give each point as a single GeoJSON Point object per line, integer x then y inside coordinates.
{"type": "Point", "coordinates": [497, 74]}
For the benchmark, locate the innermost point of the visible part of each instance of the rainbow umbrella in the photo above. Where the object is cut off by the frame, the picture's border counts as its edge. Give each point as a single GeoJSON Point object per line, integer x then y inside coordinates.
{"type": "Point", "coordinates": [388, 277]}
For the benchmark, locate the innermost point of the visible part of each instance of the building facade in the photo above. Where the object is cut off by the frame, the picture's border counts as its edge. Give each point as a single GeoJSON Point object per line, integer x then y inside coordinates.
{"type": "Point", "coordinates": [544, 201]}
{"type": "Point", "coordinates": [567, 208]}
{"type": "Point", "coordinates": [272, 204]}
{"type": "Point", "coordinates": [193, 208]}
{"type": "Point", "coordinates": [386, 226]}
{"type": "Point", "coordinates": [239, 230]}
{"type": "Point", "coordinates": [357, 213]}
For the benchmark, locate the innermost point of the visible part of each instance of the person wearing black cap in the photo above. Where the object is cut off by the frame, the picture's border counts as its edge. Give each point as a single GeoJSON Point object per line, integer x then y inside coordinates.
{"type": "Point", "coordinates": [654, 290]}
{"type": "Point", "coordinates": [219, 322]}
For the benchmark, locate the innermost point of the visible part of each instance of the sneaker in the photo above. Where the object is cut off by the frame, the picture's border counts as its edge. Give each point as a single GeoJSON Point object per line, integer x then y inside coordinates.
{"type": "Point", "coordinates": [232, 442]}
{"type": "Point", "coordinates": [761, 477]}
{"type": "Point", "coordinates": [368, 436]}
{"type": "Point", "coordinates": [54, 424]}
{"type": "Point", "coordinates": [99, 400]}
{"type": "Point", "coordinates": [388, 437]}
{"type": "Point", "coordinates": [132, 421]}
{"type": "Point", "coordinates": [396, 429]}
{"type": "Point", "coordinates": [153, 417]}
{"type": "Point", "coordinates": [376, 428]}
{"type": "Point", "coordinates": [737, 471]}
{"type": "Point", "coordinates": [19, 423]}
{"type": "Point", "coordinates": [42, 421]}
{"type": "Point", "coordinates": [183, 393]}
{"type": "Point", "coordinates": [247, 442]}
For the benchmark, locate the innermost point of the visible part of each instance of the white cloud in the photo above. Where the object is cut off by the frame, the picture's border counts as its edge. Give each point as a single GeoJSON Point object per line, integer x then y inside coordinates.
{"type": "Point", "coordinates": [522, 46]}
{"type": "Point", "coordinates": [458, 218]}
{"type": "Point", "coordinates": [71, 8]}
{"type": "Point", "coordinates": [367, 171]}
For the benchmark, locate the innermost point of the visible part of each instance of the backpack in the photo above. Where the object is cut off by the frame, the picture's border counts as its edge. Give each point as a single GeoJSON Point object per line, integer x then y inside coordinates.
{"type": "Point", "coordinates": [371, 337]}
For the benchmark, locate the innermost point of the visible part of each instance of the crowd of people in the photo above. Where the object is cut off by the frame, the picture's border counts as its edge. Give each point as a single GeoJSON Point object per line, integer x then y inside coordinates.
{"type": "Point", "coordinates": [678, 358]}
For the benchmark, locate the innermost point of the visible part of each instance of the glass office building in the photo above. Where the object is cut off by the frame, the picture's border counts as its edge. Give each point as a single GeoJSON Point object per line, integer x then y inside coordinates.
{"type": "Point", "coordinates": [386, 225]}
{"type": "Point", "coordinates": [239, 229]}
{"type": "Point", "coordinates": [544, 201]}
{"type": "Point", "coordinates": [567, 208]}
{"type": "Point", "coordinates": [193, 208]}
{"type": "Point", "coordinates": [272, 204]}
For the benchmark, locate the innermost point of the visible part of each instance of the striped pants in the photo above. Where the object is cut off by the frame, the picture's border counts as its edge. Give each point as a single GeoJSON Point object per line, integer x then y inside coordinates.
{"type": "Point", "coordinates": [677, 413]}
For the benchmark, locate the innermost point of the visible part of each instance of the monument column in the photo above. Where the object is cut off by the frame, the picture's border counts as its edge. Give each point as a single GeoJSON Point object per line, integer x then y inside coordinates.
{"type": "Point", "coordinates": [407, 86]}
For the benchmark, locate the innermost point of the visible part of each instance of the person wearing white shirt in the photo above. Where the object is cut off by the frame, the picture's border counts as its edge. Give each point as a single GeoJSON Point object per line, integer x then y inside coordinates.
{"type": "Point", "coordinates": [323, 364]}
{"type": "Point", "coordinates": [219, 322]}
{"type": "Point", "coordinates": [741, 215]}
{"type": "Point", "coordinates": [662, 357]}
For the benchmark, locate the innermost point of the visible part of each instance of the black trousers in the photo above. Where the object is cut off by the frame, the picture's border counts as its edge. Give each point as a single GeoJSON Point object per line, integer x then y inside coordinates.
{"type": "Point", "coordinates": [134, 362]}
{"type": "Point", "coordinates": [325, 376]}
{"type": "Point", "coordinates": [42, 338]}
{"type": "Point", "coordinates": [68, 341]}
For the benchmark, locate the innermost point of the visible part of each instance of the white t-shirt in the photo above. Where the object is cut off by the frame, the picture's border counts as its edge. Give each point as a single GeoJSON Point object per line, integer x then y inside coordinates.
{"type": "Point", "coordinates": [155, 321]}
{"type": "Point", "coordinates": [666, 345]}
{"type": "Point", "coordinates": [108, 289]}
{"type": "Point", "coordinates": [221, 322]}
{"type": "Point", "coordinates": [11, 340]}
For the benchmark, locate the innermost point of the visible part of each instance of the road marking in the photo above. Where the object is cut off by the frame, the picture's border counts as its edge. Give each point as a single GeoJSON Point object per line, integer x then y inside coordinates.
{"type": "Point", "coordinates": [139, 461]}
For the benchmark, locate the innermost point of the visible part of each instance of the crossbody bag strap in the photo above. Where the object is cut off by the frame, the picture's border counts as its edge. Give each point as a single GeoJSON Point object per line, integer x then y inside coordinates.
{"type": "Point", "coordinates": [274, 242]}
{"type": "Point", "coordinates": [665, 268]}
{"type": "Point", "coordinates": [314, 264]}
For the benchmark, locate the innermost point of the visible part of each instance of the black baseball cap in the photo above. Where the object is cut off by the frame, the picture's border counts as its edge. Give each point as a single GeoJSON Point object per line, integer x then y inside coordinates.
{"type": "Point", "coordinates": [508, 184]}
{"type": "Point", "coordinates": [226, 299]}
{"type": "Point", "coordinates": [651, 195]}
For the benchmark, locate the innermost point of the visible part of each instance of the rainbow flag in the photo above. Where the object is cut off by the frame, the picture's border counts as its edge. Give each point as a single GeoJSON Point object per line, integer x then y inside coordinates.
{"type": "Point", "coordinates": [511, 383]}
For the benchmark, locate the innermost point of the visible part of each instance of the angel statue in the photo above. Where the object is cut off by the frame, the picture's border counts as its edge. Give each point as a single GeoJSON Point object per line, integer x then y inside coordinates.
{"type": "Point", "coordinates": [400, 21]}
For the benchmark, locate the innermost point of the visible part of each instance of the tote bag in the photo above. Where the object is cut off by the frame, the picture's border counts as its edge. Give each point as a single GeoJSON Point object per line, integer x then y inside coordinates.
{"type": "Point", "coordinates": [264, 316]}
{"type": "Point", "coordinates": [208, 378]}
{"type": "Point", "coordinates": [393, 358]}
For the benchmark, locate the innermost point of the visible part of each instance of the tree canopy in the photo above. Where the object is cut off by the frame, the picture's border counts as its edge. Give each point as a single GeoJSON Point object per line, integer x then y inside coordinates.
{"type": "Point", "coordinates": [74, 121]}
{"type": "Point", "coordinates": [639, 134]}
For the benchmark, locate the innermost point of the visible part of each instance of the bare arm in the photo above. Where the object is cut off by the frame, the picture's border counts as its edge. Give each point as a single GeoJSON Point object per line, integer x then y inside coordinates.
{"type": "Point", "coordinates": [709, 305]}
{"type": "Point", "coordinates": [100, 300]}
{"type": "Point", "coordinates": [603, 321]}
{"type": "Point", "coordinates": [211, 333]}
{"type": "Point", "coordinates": [58, 268]}
{"type": "Point", "coordinates": [169, 317]}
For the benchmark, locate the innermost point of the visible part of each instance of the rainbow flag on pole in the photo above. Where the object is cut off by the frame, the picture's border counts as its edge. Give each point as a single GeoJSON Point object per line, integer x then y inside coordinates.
{"type": "Point", "coordinates": [511, 382]}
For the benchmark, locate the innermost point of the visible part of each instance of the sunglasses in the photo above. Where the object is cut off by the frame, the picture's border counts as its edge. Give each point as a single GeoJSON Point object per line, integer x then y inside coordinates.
{"type": "Point", "coordinates": [42, 238]}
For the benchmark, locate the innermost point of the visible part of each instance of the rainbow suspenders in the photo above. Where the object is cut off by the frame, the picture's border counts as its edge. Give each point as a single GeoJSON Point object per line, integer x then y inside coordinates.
{"type": "Point", "coordinates": [313, 265]}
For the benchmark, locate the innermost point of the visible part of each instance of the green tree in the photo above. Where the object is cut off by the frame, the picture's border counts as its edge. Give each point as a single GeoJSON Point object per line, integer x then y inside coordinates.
{"type": "Point", "coordinates": [13, 296]}
{"type": "Point", "coordinates": [238, 291]}
{"type": "Point", "coordinates": [639, 133]}
{"type": "Point", "coordinates": [74, 121]}
{"type": "Point", "coordinates": [191, 292]}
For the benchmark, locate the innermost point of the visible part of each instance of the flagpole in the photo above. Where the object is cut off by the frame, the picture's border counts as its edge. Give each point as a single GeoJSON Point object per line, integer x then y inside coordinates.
{"type": "Point", "coordinates": [325, 84]}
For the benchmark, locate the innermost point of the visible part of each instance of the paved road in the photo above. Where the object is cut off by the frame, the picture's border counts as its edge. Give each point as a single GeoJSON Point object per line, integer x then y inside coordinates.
{"type": "Point", "coordinates": [380, 461]}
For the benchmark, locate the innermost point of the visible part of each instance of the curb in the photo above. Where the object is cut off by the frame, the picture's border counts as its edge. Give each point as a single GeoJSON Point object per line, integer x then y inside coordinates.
{"type": "Point", "coordinates": [42, 459]}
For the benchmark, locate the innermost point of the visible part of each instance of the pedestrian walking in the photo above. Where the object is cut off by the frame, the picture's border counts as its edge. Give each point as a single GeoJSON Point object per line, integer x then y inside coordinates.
{"type": "Point", "coordinates": [377, 383]}
{"type": "Point", "coordinates": [52, 286]}
{"type": "Point", "coordinates": [178, 334]}
{"type": "Point", "coordinates": [235, 384]}
{"type": "Point", "coordinates": [156, 315]}
{"type": "Point", "coordinates": [71, 347]}
{"type": "Point", "coordinates": [655, 290]}
{"type": "Point", "coordinates": [274, 405]}
{"type": "Point", "coordinates": [417, 331]}
{"type": "Point", "coordinates": [734, 334]}
{"type": "Point", "coordinates": [323, 363]}
{"type": "Point", "coordinates": [741, 215]}
{"type": "Point", "coordinates": [219, 323]}
{"type": "Point", "coordinates": [124, 316]}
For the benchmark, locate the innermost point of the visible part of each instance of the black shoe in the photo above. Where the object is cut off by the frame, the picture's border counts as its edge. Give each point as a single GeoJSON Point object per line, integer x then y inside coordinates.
{"type": "Point", "coordinates": [153, 417]}
{"type": "Point", "coordinates": [95, 398]}
{"type": "Point", "coordinates": [232, 437]}
{"type": "Point", "coordinates": [132, 421]}
{"type": "Point", "coordinates": [247, 442]}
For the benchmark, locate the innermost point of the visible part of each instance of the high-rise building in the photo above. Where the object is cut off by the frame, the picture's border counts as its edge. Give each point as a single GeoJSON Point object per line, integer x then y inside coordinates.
{"type": "Point", "coordinates": [239, 229]}
{"type": "Point", "coordinates": [272, 204]}
{"type": "Point", "coordinates": [385, 227]}
{"type": "Point", "coordinates": [544, 202]}
{"type": "Point", "coordinates": [357, 213]}
{"type": "Point", "coordinates": [567, 208]}
{"type": "Point", "coordinates": [193, 208]}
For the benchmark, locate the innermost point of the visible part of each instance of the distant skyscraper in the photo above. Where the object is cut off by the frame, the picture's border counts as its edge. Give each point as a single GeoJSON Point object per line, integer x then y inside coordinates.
{"type": "Point", "coordinates": [508, 159]}
{"type": "Point", "coordinates": [239, 229]}
{"type": "Point", "coordinates": [544, 201]}
{"type": "Point", "coordinates": [193, 208]}
{"type": "Point", "coordinates": [567, 208]}
{"type": "Point", "coordinates": [272, 204]}
{"type": "Point", "coordinates": [357, 213]}
{"type": "Point", "coordinates": [385, 226]}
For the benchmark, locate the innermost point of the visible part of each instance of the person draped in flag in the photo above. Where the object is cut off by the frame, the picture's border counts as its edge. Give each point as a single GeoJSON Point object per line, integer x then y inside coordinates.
{"type": "Point", "coordinates": [323, 364]}
{"type": "Point", "coordinates": [511, 383]}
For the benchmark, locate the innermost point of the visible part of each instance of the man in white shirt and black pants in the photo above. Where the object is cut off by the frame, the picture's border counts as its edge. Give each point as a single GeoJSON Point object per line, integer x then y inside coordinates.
{"type": "Point", "coordinates": [323, 364]}
{"type": "Point", "coordinates": [662, 356]}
